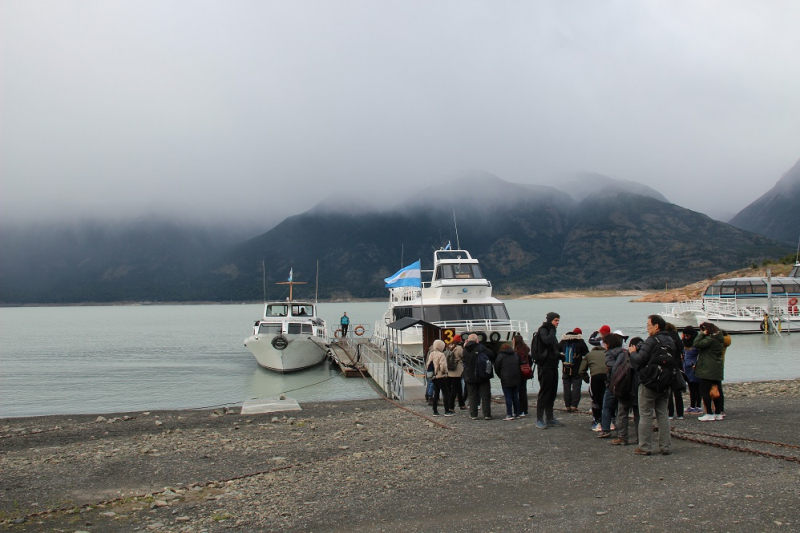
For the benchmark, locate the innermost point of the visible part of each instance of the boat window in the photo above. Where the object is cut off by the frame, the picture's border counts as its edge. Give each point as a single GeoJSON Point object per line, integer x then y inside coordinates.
{"type": "Point", "coordinates": [295, 328]}
{"type": "Point", "coordinates": [407, 312]}
{"type": "Point", "coordinates": [713, 290]}
{"type": "Point", "coordinates": [777, 288]}
{"type": "Point", "coordinates": [730, 289]}
{"type": "Point", "coordinates": [307, 328]}
{"type": "Point", "coordinates": [269, 328]}
{"type": "Point", "coordinates": [452, 313]}
{"type": "Point", "coordinates": [792, 287]}
{"type": "Point", "coordinates": [744, 288]}
{"type": "Point", "coordinates": [759, 287]}
{"type": "Point", "coordinates": [277, 310]}
{"type": "Point", "coordinates": [459, 271]}
{"type": "Point", "coordinates": [451, 254]}
{"type": "Point", "coordinates": [302, 310]}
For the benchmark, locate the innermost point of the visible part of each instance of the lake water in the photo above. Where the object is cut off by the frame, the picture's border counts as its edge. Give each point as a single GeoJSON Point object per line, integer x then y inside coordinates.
{"type": "Point", "coordinates": [71, 360]}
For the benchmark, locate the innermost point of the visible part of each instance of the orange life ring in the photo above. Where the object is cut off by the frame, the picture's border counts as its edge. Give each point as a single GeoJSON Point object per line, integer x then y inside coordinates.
{"type": "Point", "coordinates": [359, 330]}
{"type": "Point", "coordinates": [792, 302]}
{"type": "Point", "coordinates": [337, 333]}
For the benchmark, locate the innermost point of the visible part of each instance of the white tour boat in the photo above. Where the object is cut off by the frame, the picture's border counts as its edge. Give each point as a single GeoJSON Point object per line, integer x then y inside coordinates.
{"type": "Point", "coordinates": [743, 305]}
{"type": "Point", "coordinates": [290, 336]}
{"type": "Point", "coordinates": [457, 298]}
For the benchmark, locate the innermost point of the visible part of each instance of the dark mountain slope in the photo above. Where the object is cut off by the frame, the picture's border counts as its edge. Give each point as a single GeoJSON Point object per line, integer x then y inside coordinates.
{"type": "Point", "coordinates": [776, 214]}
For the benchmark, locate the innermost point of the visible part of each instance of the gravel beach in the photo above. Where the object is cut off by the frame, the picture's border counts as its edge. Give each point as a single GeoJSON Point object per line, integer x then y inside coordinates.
{"type": "Point", "coordinates": [374, 466]}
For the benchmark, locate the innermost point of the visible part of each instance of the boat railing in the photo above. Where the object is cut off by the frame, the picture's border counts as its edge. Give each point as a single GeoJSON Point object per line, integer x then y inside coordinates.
{"type": "Point", "coordinates": [676, 308]}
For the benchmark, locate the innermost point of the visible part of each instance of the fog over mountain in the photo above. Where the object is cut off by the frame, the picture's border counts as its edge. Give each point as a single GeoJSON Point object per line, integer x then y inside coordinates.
{"type": "Point", "coordinates": [248, 112]}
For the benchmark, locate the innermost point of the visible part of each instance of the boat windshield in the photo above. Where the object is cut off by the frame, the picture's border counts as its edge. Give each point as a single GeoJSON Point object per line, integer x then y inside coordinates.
{"type": "Point", "coordinates": [452, 313]}
{"type": "Point", "coordinates": [302, 310]}
{"type": "Point", "coordinates": [265, 328]}
{"type": "Point", "coordinates": [277, 310]}
{"type": "Point", "coordinates": [459, 271]}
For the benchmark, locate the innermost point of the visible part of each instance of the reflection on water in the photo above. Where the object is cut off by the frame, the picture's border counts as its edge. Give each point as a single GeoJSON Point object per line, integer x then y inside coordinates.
{"type": "Point", "coordinates": [321, 383]}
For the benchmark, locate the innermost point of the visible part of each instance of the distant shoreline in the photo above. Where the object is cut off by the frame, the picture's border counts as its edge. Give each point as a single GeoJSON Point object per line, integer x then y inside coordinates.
{"type": "Point", "coordinates": [587, 293]}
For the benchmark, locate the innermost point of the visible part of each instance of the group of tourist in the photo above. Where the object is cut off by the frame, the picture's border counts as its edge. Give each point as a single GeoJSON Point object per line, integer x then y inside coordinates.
{"type": "Point", "coordinates": [696, 355]}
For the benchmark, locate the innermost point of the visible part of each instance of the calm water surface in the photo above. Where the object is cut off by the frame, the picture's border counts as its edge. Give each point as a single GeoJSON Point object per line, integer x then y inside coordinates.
{"type": "Point", "coordinates": [70, 360]}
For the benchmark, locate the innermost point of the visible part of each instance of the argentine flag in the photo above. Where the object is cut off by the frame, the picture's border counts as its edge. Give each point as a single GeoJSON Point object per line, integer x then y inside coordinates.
{"type": "Point", "coordinates": [290, 274]}
{"type": "Point", "coordinates": [410, 276]}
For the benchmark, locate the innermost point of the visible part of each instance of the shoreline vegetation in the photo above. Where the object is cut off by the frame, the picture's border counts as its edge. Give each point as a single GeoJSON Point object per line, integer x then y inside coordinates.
{"type": "Point", "coordinates": [693, 291]}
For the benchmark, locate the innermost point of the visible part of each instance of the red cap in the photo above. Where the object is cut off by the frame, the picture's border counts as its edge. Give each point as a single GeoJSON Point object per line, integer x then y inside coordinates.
{"type": "Point", "coordinates": [604, 330]}
{"type": "Point", "coordinates": [577, 331]}
{"type": "Point", "coordinates": [457, 339]}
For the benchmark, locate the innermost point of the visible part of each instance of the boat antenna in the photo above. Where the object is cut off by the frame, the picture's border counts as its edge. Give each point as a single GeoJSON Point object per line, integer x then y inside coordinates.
{"type": "Point", "coordinates": [264, 279]}
{"type": "Point", "coordinates": [458, 244]}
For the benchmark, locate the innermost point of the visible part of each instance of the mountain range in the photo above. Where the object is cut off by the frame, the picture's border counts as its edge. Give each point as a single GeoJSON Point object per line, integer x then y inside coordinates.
{"type": "Point", "coordinates": [587, 231]}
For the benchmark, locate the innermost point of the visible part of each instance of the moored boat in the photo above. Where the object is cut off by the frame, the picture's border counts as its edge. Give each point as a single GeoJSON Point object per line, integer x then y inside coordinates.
{"type": "Point", "coordinates": [743, 305]}
{"type": "Point", "coordinates": [290, 336]}
{"type": "Point", "coordinates": [456, 298]}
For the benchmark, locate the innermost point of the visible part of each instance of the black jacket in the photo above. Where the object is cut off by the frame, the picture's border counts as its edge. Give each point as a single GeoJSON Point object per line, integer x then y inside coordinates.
{"type": "Point", "coordinates": [507, 367]}
{"type": "Point", "coordinates": [471, 351]}
{"type": "Point", "coordinates": [549, 342]}
{"type": "Point", "coordinates": [640, 358]}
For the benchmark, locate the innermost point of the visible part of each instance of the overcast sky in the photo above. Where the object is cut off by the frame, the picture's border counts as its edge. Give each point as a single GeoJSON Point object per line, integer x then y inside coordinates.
{"type": "Point", "coordinates": [248, 110]}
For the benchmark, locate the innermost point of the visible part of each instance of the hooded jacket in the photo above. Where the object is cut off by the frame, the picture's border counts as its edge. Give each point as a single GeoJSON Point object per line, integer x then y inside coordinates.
{"type": "Point", "coordinates": [709, 359]}
{"type": "Point", "coordinates": [470, 357]}
{"type": "Point", "coordinates": [436, 356]}
{"type": "Point", "coordinates": [507, 367]}
{"type": "Point", "coordinates": [572, 346]}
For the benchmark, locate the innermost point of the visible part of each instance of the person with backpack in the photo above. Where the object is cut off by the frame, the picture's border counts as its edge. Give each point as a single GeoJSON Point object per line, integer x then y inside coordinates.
{"type": "Point", "coordinates": [656, 349]}
{"type": "Point", "coordinates": [438, 361]}
{"type": "Point", "coordinates": [526, 366]}
{"type": "Point", "coordinates": [595, 364]}
{"type": "Point", "coordinates": [626, 434]}
{"type": "Point", "coordinates": [455, 369]}
{"type": "Point", "coordinates": [508, 370]}
{"type": "Point", "coordinates": [574, 349]}
{"type": "Point", "coordinates": [547, 356]}
{"type": "Point", "coordinates": [709, 368]}
{"type": "Point", "coordinates": [475, 357]}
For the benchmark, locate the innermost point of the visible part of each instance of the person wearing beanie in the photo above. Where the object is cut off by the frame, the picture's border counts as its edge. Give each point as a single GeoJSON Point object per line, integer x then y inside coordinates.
{"type": "Point", "coordinates": [574, 349]}
{"type": "Point", "coordinates": [547, 357]}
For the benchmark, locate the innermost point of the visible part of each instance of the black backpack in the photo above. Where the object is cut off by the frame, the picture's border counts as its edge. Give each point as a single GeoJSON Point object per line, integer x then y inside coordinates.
{"type": "Point", "coordinates": [452, 363]}
{"type": "Point", "coordinates": [483, 367]}
{"type": "Point", "coordinates": [538, 352]}
{"type": "Point", "coordinates": [622, 379]}
{"type": "Point", "coordinates": [661, 373]}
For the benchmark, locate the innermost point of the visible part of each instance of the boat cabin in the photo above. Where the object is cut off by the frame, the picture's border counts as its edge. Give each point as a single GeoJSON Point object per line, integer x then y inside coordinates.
{"type": "Point", "coordinates": [289, 309]}
{"type": "Point", "coordinates": [278, 319]}
{"type": "Point", "coordinates": [754, 287]}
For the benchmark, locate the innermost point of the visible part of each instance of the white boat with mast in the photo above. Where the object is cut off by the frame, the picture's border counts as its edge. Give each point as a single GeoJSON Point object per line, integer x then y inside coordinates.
{"type": "Point", "coordinates": [456, 298]}
{"type": "Point", "coordinates": [744, 305]}
{"type": "Point", "coordinates": [290, 336]}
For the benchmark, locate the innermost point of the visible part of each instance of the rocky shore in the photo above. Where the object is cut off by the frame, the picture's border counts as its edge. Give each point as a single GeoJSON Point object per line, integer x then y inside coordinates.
{"type": "Point", "coordinates": [375, 466]}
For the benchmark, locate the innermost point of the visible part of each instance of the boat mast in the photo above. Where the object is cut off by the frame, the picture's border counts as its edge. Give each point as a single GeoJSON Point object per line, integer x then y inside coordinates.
{"type": "Point", "coordinates": [291, 283]}
{"type": "Point", "coordinates": [458, 244]}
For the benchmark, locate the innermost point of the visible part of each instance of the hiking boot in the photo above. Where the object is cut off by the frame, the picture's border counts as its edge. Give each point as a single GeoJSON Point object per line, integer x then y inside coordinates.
{"type": "Point", "coordinates": [639, 451]}
{"type": "Point", "coordinates": [604, 435]}
{"type": "Point", "coordinates": [619, 442]}
{"type": "Point", "coordinates": [540, 424]}
{"type": "Point", "coordinates": [555, 423]}
{"type": "Point", "coordinates": [708, 418]}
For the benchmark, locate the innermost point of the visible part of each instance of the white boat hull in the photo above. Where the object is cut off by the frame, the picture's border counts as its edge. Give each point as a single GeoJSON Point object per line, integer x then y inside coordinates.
{"type": "Point", "coordinates": [302, 351]}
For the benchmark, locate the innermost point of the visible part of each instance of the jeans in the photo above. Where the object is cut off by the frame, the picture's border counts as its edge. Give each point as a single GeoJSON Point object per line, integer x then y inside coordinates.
{"type": "Point", "coordinates": [482, 390]}
{"type": "Point", "coordinates": [609, 410]}
{"type": "Point", "coordinates": [572, 390]}
{"type": "Point", "coordinates": [512, 400]}
{"type": "Point", "coordinates": [650, 400]}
